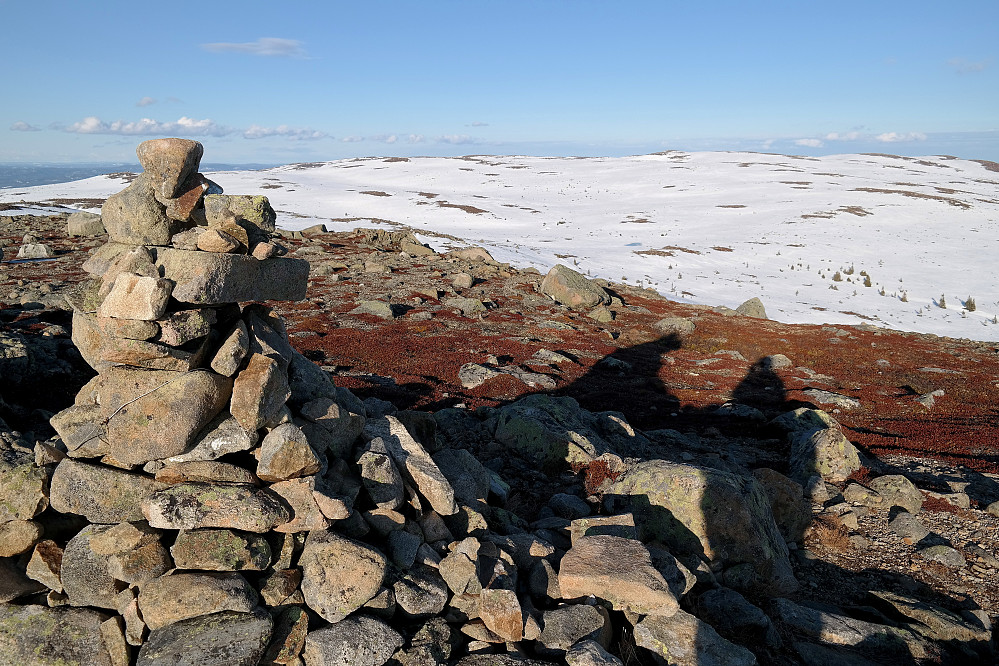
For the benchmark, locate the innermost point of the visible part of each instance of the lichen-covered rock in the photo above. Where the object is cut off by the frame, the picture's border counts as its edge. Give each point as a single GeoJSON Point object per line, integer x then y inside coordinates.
{"type": "Point", "coordinates": [82, 223]}
{"type": "Point", "coordinates": [897, 490]}
{"type": "Point", "coordinates": [167, 163]}
{"type": "Point", "coordinates": [24, 486]}
{"type": "Point", "coordinates": [136, 297]}
{"type": "Point", "coordinates": [361, 640]}
{"type": "Point", "coordinates": [259, 392]}
{"type": "Point", "coordinates": [339, 575]}
{"type": "Point", "coordinates": [219, 639]}
{"type": "Point", "coordinates": [826, 452]}
{"type": "Point", "coordinates": [102, 494]}
{"type": "Point", "coordinates": [62, 636]}
{"type": "Point", "coordinates": [254, 209]}
{"type": "Point", "coordinates": [85, 574]}
{"type": "Point", "coordinates": [188, 506]}
{"type": "Point", "coordinates": [791, 511]}
{"type": "Point", "coordinates": [716, 515]}
{"type": "Point", "coordinates": [285, 454]}
{"type": "Point", "coordinates": [566, 286]}
{"type": "Point", "coordinates": [18, 536]}
{"type": "Point", "coordinates": [220, 550]}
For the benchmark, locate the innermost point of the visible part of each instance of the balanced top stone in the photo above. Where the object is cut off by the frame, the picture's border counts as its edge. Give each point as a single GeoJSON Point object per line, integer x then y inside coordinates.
{"type": "Point", "coordinates": [169, 163]}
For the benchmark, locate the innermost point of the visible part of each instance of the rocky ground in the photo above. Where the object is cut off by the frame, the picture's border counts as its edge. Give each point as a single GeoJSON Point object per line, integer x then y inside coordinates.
{"type": "Point", "coordinates": [463, 337]}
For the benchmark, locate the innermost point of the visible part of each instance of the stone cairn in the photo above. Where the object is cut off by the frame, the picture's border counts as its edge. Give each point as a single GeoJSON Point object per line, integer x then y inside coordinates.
{"type": "Point", "coordinates": [212, 498]}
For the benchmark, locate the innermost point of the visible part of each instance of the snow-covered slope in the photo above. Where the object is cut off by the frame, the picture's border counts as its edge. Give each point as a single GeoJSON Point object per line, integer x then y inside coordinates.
{"type": "Point", "coordinates": [714, 228]}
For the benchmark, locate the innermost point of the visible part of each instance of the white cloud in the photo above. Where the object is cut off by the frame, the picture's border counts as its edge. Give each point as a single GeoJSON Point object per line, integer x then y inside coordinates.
{"type": "Point", "coordinates": [352, 139]}
{"type": "Point", "coordinates": [477, 124]}
{"type": "Point", "coordinates": [415, 138]}
{"type": "Point", "coordinates": [896, 137]}
{"type": "Point", "coordinates": [846, 136]}
{"type": "Point", "coordinates": [21, 126]}
{"type": "Point", "coordinates": [384, 138]}
{"type": "Point", "coordinates": [295, 133]}
{"type": "Point", "coordinates": [456, 139]}
{"type": "Point", "coordinates": [809, 143]}
{"type": "Point", "coordinates": [962, 66]}
{"type": "Point", "coordinates": [265, 46]}
{"type": "Point", "coordinates": [146, 101]}
{"type": "Point", "coordinates": [148, 126]}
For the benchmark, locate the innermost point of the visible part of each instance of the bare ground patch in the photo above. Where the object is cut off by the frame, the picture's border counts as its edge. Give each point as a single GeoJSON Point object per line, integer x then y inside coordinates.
{"type": "Point", "coordinates": [914, 195]}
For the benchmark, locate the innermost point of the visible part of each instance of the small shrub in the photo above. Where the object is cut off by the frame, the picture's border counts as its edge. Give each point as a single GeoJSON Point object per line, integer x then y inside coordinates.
{"type": "Point", "coordinates": [867, 281]}
{"type": "Point", "coordinates": [969, 304]}
{"type": "Point", "coordinates": [849, 271]}
{"type": "Point", "coordinates": [837, 277]}
{"type": "Point", "coordinates": [905, 297]}
{"type": "Point", "coordinates": [861, 476]}
{"type": "Point", "coordinates": [943, 302]}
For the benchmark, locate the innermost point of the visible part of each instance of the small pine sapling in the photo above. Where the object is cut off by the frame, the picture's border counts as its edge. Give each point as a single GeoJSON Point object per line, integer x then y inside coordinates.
{"type": "Point", "coordinates": [837, 277]}
{"type": "Point", "coordinates": [867, 280]}
{"type": "Point", "coordinates": [969, 304]}
{"type": "Point", "coordinates": [943, 302]}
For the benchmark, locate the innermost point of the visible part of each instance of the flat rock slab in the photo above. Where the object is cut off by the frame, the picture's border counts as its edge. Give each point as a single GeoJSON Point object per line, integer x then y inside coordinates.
{"type": "Point", "coordinates": [188, 506]}
{"type": "Point", "coordinates": [220, 639]}
{"type": "Point", "coordinates": [207, 278]}
{"type": "Point", "coordinates": [102, 494]}
{"type": "Point", "coordinates": [58, 636]}
{"type": "Point", "coordinates": [618, 570]}
{"type": "Point", "coordinates": [339, 575]}
{"type": "Point", "coordinates": [181, 596]}
{"type": "Point", "coordinates": [684, 640]}
{"type": "Point", "coordinates": [221, 550]}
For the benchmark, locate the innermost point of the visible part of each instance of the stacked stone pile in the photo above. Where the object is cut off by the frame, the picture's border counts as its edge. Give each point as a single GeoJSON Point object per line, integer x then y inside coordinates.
{"type": "Point", "coordinates": [213, 497]}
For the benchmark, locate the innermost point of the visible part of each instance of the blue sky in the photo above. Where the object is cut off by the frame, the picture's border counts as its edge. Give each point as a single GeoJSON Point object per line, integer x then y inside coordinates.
{"type": "Point", "coordinates": [275, 82]}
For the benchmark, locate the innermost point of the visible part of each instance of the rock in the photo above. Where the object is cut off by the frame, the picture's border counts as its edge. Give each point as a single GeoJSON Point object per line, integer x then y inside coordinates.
{"type": "Point", "coordinates": [223, 435]}
{"type": "Point", "coordinates": [59, 636]}
{"type": "Point", "coordinates": [590, 653]}
{"type": "Point", "coordinates": [617, 570]}
{"type": "Point", "coordinates": [220, 550]}
{"type": "Point", "coordinates": [188, 506]}
{"type": "Point", "coordinates": [134, 552]}
{"type": "Point", "coordinates": [208, 278]}
{"type": "Point", "coordinates": [339, 575]}
{"type": "Point", "coordinates": [285, 454]}
{"type": "Point", "coordinates": [567, 287]}
{"type": "Point", "coordinates": [473, 254]}
{"type": "Point", "coordinates": [735, 618]}
{"type": "Point", "coordinates": [101, 351]}
{"type": "Point", "coordinates": [684, 640]}
{"type": "Point", "coordinates": [101, 494]}
{"type": "Point", "coordinates": [415, 464]}
{"type": "Point", "coordinates": [217, 240]}
{"type": "Point", "coordinates": [715, 515]}
{"type": "Point", "coordinates": [361, 640]}
{"type": "Point", "coordinates": [553, 431]}
{"type": "Point", "coordinates": [205, 471]}
{"type": "Point", "coordinates": [791, 511]}
{"type": "Point", "coordinates": [134, 216]}
{"type": "Point", "coordinates": [253, 209]}
{"type": "Point", "coordinates": [467, 306]}
{"type": "Point", "coordinates": [131, 329]}
{"type": "Point", "coordinates": [567, 625]}
{"type": "Point", "coordinates": [168, 163]}
{"type": "Point", "coordinates": [219, 639]}
{"type": "Point", "coordinates": [301, 495]}
{"type": "Point", "coordinates": [909, 527]}
{"type": "Point", "coordinates": [45, 564]}
{"type": "Point", "coordinates": [35, 251]}
{"type": "Point", "coordinates": [945, 555]}
{"type": "Point", "coordinates": [826, 452]}
{"type": "Point", "coordinates": [381, 479]}
{"type": "Point", "coordinates": [179, 328]}
{"type": "Point", "coordinates": [469, 478]}
{"type": "Point", "coordinates": [14, 583]}
{"type": "Point", "coordinates": [501, 612]}
{"type": "Point", "coordinates": [157, 414]}
{"type": "Point", "coordinates": [896, 490]}
{"type": "Point", "coordinates": [183, 205]}
{"type": "Point", "coordinates": [259, 392]}
{"type": "Point", "coordinates": [136, 297]}
{"type": "Point", "coordinates": [420, 592]}
{"type": "Point", "coordinates": [82, 223]}
{"type": "Point", "coordinates": [181, 596]}
{"type": "Point", "coordinates": [85, 576]}
{"type": "Point", "coordinates": [752, 308]}
{"type": "Point", "coordinates": [232, 351]}
{"type": "Point", "coordinates": [375, 308]}
{"type": "Point", "coordinates": [24, 487]}
{"type": "Point", "coordinates": [679, 326]}
{"type": "Point", "coordinates": [829, 398]}
{"type": "Point", "coordinates": [462, 281]}
{"type": "Point", "coordinates": [836, 629]}
{"type": "Point", "coordinates": [934, 622]}
{"type": "Point", "coordinates": [569, 506]}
